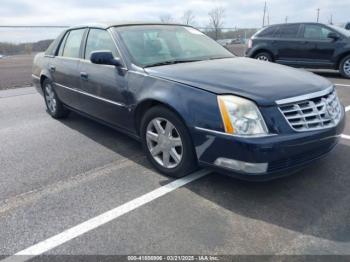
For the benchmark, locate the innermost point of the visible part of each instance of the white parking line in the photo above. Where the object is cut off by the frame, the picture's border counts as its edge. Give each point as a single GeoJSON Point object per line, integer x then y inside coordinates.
{"type": "Point", "coordinates": [342, 135]}
{"type": "Point", "coordinates": [102, 219]}
{"type": "Point", "coordinates": [345, 136]}
{"type": "Point", "coordinates": [342, 85]}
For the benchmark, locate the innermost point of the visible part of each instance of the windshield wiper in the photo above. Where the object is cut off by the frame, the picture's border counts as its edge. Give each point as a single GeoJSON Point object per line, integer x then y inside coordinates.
{"type": "Point", "coordinates": [220, 57]}
{"type": "Point", "coordinates": [171, 62]}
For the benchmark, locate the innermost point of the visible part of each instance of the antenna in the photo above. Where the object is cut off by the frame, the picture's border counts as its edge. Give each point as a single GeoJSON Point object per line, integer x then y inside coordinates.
{"type": "Point", "coordinates": [318, 14]}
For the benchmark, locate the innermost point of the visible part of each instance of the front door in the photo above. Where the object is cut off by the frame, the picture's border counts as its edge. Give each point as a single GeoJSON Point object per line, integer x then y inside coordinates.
{"type": "Point", "coordinates": [104, 86]}
{"type": "Point", "coordinates": [318, 48]}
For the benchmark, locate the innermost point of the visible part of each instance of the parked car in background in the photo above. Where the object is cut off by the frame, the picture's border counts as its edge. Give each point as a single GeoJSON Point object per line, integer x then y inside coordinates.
{"type": "Point", "coordinates": [190, 101]}
{"type": "Point", "coordinates": [226, 42]}
{"type": "Point", "coordinates": [347, 26]}
{"type": "Point", "coordinates": [307, 45]}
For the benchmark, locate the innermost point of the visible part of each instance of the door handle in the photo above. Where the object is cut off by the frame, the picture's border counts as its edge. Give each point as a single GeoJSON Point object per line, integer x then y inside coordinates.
{"type": "Point", "coordinates": [84, 76]}
{"type": "Point", "coordinates": [52, 69]}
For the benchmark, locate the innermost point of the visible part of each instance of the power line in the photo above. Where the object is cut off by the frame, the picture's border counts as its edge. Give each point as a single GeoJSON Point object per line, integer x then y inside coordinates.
{"type": "Point", "coordinates": [33, 26]}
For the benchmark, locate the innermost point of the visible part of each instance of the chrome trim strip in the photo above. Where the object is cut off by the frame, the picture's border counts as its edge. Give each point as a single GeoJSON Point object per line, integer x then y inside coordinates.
{"type": "Point", "coordinates": [118, 49]}
{"type": "Point", "coordinates": [35, 76]}
{"type": "Point", "coordinates": [91, 95]}
{"type": "Point", "coordinates": [110, 66]}
{"type": "Point", "coordinates": [138, 73]}
{"type": "Point", "coordinates": [305, 97]}
{"type": "Point", "coordinates": [231, 135]}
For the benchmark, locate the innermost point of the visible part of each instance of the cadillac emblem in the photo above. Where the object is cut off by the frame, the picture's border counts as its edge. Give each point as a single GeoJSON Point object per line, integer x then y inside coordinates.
{"type": "Point", "coordinates": [331, 109]}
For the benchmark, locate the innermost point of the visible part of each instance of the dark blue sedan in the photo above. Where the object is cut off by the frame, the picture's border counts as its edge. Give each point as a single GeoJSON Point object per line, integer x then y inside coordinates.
{"type": "Point", "coordinates": [189, 101]}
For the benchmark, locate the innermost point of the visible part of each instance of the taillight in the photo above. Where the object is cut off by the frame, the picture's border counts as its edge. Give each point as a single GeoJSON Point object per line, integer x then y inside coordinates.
{"type": "Point", "coordinates": [250, 43]}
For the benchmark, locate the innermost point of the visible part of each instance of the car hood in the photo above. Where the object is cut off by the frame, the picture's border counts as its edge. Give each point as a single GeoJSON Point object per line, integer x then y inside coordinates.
{"type": "Point", "coordinates": [260, 81]}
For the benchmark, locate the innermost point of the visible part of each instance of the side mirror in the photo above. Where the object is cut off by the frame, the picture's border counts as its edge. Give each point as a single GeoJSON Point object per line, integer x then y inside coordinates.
{"type": "Point", "coordinates": [333, 36]}
{"type": "Point", "coordinates": [104, 58]}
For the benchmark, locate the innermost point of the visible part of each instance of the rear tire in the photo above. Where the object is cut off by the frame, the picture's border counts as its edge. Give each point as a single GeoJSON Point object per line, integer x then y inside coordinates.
{"type": "Point", "coordinates": [54, 106]}
{"type": "Point", "coordinates": [165, 135]}
{"type": "Point", "coordinates": [263, 56]}
{"type": "Point", "coordinates": [344, 67]}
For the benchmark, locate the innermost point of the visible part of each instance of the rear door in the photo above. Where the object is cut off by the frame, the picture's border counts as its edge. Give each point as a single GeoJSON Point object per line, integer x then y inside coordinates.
{"type": "Point", "coordinates": [104, 86]}
{"type": "Point", "coordinates": [288, 43]}
{"type": "Point", "coordinates": [318, 49]}
{"type": "Point", "coordinates": [65, 67]}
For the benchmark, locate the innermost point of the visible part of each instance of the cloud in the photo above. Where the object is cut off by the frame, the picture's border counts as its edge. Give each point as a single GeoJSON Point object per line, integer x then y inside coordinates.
{"type": "Point", "coordinates": [238, 13]}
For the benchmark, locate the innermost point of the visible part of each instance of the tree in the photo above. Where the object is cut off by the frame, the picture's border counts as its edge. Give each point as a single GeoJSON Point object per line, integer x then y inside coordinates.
{"type": "Point", "coordinates": [188, 18]}
{"type": "Point", "coordinates": [216, 20]}
{"type": "Point", "coordinates": [167, 18]}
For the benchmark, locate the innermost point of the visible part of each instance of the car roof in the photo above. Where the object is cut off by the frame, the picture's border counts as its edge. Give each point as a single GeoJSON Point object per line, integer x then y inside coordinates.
{"type": "Point", "coordinates": [298, 23]}
{"type": "Point", "coordinates": [119, 24]}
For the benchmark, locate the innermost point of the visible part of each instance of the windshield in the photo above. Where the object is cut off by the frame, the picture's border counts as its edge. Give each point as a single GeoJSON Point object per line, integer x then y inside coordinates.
{"type": "Point", "coordinates": [340, 30]}
{"type": "Point", "coordinates": [151, 45]}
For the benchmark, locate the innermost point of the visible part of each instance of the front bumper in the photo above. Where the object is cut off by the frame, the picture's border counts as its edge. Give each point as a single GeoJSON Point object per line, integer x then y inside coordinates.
{"type": "Point", "coordinates": [283, 153]}
{"type": "Point", "coordinates": [248, 52]}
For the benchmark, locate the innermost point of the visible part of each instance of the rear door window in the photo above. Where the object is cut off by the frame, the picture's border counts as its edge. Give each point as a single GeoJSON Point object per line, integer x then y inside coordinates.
{"type": "Point", "coordinates": [60, 50]}
{"type": "Point", "coordinates": [268, 32]}
{"type": "Point", "coordinates": [288, 31]}
{"type": "Point", "coordinates": [73, 43]}
{"type": "Point", "coordinates": [316, 32]}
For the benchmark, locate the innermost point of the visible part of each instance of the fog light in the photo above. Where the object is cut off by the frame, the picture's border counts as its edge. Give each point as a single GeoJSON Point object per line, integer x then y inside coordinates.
{"type": "Point", "coordinates": [252, 168]}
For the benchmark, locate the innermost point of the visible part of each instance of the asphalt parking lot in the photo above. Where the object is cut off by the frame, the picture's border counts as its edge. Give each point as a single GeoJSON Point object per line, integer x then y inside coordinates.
{"type": "Point", "coordinates": [58, 175]}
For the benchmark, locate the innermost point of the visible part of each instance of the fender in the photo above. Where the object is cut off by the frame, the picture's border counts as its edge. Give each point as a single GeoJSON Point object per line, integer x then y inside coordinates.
{"type": "Point", "coordinates": [200, 110]}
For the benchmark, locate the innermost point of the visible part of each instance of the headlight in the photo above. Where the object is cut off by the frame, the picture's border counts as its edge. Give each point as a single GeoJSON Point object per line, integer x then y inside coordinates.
{"type": "Point", "coordinates": [241, 116]}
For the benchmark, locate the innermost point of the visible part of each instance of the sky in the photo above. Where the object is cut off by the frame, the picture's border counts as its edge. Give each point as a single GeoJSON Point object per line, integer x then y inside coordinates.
{"type": "Point", "coordinates": [238, 13]}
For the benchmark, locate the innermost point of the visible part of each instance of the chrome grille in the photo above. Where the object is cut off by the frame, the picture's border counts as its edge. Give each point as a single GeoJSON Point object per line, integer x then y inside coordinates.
{"type": "Point", "coordinates": [312, 114]}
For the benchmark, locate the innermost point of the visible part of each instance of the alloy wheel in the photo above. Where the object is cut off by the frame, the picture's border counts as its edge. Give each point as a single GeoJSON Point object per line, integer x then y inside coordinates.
{"type": "Point", "coordinates": [164, 143]}
{"type": "Point", "coordinates": [347, 67]}
{"type": "Point", "coordinates": [50, 98]}
{"type": "Point", "coordinates": [262, 58]}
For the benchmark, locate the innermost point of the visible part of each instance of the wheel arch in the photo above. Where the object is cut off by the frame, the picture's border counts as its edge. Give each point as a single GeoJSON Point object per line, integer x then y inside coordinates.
{"type": "Point", "coordinates": [42, 79]}
{"type": "Point", "coordinates": [146, 105]}
{"type": "Point", "coordinates": [341, 57]}
{"type": "Point", "coordinates": [43, 76]}
{"type": "Point", "coordinates": [264, 50]}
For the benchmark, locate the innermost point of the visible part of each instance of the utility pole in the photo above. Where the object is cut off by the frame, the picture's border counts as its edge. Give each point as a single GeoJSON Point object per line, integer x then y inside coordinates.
{"type": "Point", "coordinates": [265, 6]}
{"type": "Point", "coordinates": [286, 20]}
{"type": "Point", "coordinates": [318, 14]}
{"type": "Point", "coordinates": [268, 18]}
{"type": "Point", "coordinates": [331, 20]}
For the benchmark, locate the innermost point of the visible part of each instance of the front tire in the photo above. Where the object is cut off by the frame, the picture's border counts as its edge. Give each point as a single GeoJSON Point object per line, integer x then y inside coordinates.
{"type": "Point", "coordinates": [344, 67]}
{"type": "Point", "coordinates": [263, 56]}
{"type": "Point", "coordinates": [167, 143]}
{"type": "Point", "coordinates": [54, 106]}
